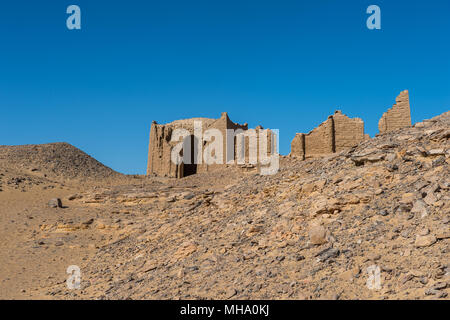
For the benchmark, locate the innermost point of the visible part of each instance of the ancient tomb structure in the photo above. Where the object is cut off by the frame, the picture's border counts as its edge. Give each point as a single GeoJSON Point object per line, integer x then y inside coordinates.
{"type": "Point", "coordinates": [399, 116]}
{"type": "Point", "coordinates": [163, 140]}
{"type": "Point", "coordinates": [337, 133]}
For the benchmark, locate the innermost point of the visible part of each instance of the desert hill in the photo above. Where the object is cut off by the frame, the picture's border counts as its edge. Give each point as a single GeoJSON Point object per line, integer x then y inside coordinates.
{"type": "Point", "coordinates": [61, 162]}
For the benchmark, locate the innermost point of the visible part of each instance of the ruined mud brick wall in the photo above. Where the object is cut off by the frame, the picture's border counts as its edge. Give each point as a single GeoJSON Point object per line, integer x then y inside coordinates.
{"type": "Point", "coordinates": [257, 142]}
{"type": "Point", "coordinates": [337, 133]}
{"type": "Point", "coordinates": [159, 151]}
{"type": "Point", "coordinates": [222, 124]}
{"type": "Point", "coordinates": [298, 146]}
{"type": "Point", "coordinates": [160, 145]}
{"type": "Point", "coordinates": [320, 141]}
{"type": "Point", "coordinates": [348, 132]}
{"type": "Point", "coordinates": [399, 116]}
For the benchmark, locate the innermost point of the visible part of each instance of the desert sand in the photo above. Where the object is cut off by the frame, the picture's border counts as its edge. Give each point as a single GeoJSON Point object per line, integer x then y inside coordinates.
{"type": "Point", "coordinates": [314, 230]}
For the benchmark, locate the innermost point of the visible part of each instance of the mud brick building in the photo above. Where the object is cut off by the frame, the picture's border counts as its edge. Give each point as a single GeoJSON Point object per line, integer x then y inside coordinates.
{"type": "Point", "coordinates": [161, 145]}
{"type": "Point", "coordinates": [336, 134]}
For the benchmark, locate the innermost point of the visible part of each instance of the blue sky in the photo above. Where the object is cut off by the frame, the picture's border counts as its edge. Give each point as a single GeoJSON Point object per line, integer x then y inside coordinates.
{"type": "Point", "coordinates": [285, 65]}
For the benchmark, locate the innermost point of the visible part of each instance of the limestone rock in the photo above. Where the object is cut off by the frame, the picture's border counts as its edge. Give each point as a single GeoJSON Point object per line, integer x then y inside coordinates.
{"type": "Point", "coordinates": [55, 203]}
{"type": "Point", "coordinates": [420, 208]}
{"type": "Point", "coordinates": [317, 235]}
{"type": "Point", "coordinates": [425, 241]}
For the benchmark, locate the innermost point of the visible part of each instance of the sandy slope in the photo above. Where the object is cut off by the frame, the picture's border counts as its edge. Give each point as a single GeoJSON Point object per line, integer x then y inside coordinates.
{"type": "Point", "coordinates": [312, 231]}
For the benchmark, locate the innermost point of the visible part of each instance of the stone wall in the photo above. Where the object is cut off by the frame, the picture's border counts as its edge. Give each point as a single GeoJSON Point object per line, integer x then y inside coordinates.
{"type": "Point", "coordinates": [161, 146]}
{"type": "Point", "coordinates": [335, 134]}
{"type": "Point", "coordinates": [159, 158]}
{"type": "Point", "coordinates": [320, 140]}
{"type": "Point", "coordinates": [399, 116]}
{"type": "Point", "coordinates": [348, 131]}
{"type": "Point", "coordinates": [298, 146]}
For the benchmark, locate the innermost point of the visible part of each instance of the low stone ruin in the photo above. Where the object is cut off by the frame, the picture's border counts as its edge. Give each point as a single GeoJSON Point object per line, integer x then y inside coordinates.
{"type": "Point", "coordinates": [340, 132]}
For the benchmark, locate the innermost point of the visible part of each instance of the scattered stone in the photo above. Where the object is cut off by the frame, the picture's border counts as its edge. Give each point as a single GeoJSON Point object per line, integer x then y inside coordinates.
{"type": "Point", "coordinates": [439, 162]}
{"type": "Point", "coordinates": [383, 213]}
{"type": "Point", "coordinates": [430, 199]}
{"type": "Point", "coordinates": [88, 222]}
{"type": "Point", "coordinates": [391, 157]}
{"type": "Point", "coordinates": [299, 257]}
{"type": "Point", "coordinates": [408, 198]}
{"type": "Point", "coordinates": [230, 293]}
{"type": "Point", "coordinates": [55, 203]}
{"type": "Point", "coordinates": [189, 196]}
{"type": "Point", "coordinates": [439, 285]}
{"type": "Point", "coordinates": [425, 241]}
{"type": "Point", "coordinates": [359, 161]}
{"type": "Point", "coordinates": [436, 152]}
{"type": "Point", "coordinates": [443, 234]}
{"type": "Point", "coordinates": [255, 236]}
{"type": "Point", "coordinates": [317, 235]}
{"type": "Point", "coordinates": [74, 197]}
{"type": "Point", "coordinates": [374, 256]}
{"type": "Point", "coordinates": [328, 253]}
{"type": "Point", "coordinates": [420, 208]}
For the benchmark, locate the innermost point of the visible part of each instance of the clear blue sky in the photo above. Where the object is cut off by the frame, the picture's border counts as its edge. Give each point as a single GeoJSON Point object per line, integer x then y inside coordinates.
{"type": "Point", "coordinates": [282, 64]}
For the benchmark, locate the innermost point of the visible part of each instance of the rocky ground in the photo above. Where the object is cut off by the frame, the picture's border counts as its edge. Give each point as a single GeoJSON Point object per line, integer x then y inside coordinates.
{"type": "Point", "coordinates": [316, 230]}
{"type": "Point", "coordinates": [60, 162]}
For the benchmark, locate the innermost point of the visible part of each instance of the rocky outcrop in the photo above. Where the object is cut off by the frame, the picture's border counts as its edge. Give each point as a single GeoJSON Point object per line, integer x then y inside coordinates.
{"type": "Point", "coordinates": [315, 230]}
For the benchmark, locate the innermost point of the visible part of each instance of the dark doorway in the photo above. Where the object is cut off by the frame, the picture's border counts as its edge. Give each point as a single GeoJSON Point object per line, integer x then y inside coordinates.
{"type": "Point", "coordinates": [189, 156]}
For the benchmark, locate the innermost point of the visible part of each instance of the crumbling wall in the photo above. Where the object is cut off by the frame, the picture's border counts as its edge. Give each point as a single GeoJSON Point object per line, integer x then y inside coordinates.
{"type": "Point", "coordinates": [320, 140]}
{"type": "Point", "coordinates": [160, 146]}
{"type": "Point", "coordinates": [222, 124]}
{"type": "Point", "coordinates": [298, 146]}
{"type": "Point", "coordinates": [348, 132]}
{"type": "Point", "coordinates": [337, 133]}
{"type": "Point", "coordinates": [260, 143]}
{"type": "Point", "coordinates": [159, 161]}
{"type": "Point", "coordinates": [399, 116]}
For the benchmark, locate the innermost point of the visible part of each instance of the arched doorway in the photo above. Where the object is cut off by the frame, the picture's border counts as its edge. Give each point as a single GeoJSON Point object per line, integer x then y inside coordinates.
{"type": "Point", "coordinates": [189, 156]}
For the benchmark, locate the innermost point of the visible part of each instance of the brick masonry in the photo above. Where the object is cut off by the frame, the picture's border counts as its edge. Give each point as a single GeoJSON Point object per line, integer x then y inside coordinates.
{"type": "Point", "coordinates": [335, 134]}
{"type": "Point", "coordinates": [340, 132]}
{"type": "Point", "coordinates": [161, 146]}
{"type": "Point", "coordinates": [397, 117]}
